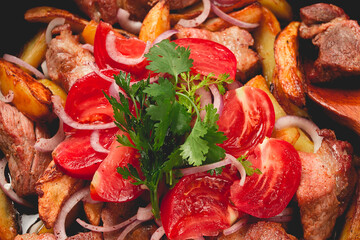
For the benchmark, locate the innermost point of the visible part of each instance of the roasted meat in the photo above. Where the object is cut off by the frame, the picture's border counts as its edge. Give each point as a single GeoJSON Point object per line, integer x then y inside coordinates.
{"type": "Point", "coordinates": [18, 135]}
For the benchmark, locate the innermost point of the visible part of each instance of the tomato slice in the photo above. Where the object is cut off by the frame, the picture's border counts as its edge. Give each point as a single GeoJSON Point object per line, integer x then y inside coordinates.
{"type": "Point", "coordinates": [248, 117]}
{"type": "Point", "coordinates": [209, 57]}
{"type": "Point", "coordinates": [107, 42]}
{"type": "Point", "coordinates": [197, 206]}
{"type": "Point", "coordinates": [267, 194]}
{"type": "Point", "coordinates": [107, 184]}
{"type": "Point", "coordinates": [75, 156]}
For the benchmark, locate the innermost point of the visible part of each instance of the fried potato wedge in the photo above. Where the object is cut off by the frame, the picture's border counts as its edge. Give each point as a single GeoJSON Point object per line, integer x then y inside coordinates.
{"type": "Point", "coordinates": [34, 51]}
{"type": "Point", "coordinates": [251, 14]}
{"type": "Point", "coordinates": [156, 21]}
{"type": "Point", "coordinates": [31, 97]}
{"type": "Point", "coordinates": [264, 37]}
{"type": "Point", "coordinates": [8, 223]}
{"type": "Point", "coordinates": [281, 8]}
{"type": "Point", "coordinates": [53, 189]}
{"type": "Point", "coordinates": [294, 136]}
{"type": "Point", "coordinates": [93, 212]}
{"type": "Point", "coordinates": [55, 89]}
{"type": "Point", "coordinates": [288, 78]}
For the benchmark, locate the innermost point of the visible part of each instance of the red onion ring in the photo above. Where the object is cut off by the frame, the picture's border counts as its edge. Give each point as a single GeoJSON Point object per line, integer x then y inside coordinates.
{"type": "Point", "coordinates": [165, 35]}
{"type": "Point", "coordinates": [218, 99]}
{"type": "Point", "coordinates": [9, 191]}
{"type": "Point", "coordinates": [157, 235]}
{"type": "Point", "coordinates": [128, 229]}
{"type": "Point", "coordinates": [60, 112]}
{"type": "Point", "coordinates": [235, 227]}
{"type": "Point", "coordinates": [308, 126]}
{"type": "Point", "coordinates": [117, 56]}
{"type": "Point", "coordinates": [144, 214]}
{"type": "Point", "coordinates": [88, 47]}
{"type": "Point", "coordinates": [205, 99]}
{"type": "Point", "coordinates": [95, 143]}
{"type": "Point", "coordinates": [44, 69]}
{"type": "Point", "coordinates": [127, 24]}
{"type": "Point", "coordinates": [108, 228]}
{"type": "Point", "coordinates": [52, 24]}
{"type": "Point", "coordinates": [232, 20]}
{"type": "Point", "coordinates": [21, 63]}
{"type": "Point", "coordinates": [8, 98]}
{"type": "Point", "coordinates": [59, 227]}
{"type": "Point", "coordinates": [204, 168]}
{"type": "Point", "coordinates": [199, 19]}
{"type": "Point", "coordinates": [49, 144]}
{"type": "Point", "coordinates": [224, 3]}
{"type": "Point", "coordinates": [239, 167]}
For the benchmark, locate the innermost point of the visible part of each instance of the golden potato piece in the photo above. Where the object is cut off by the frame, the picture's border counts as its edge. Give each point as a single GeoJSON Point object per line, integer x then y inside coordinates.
{"type": "Point", "coordinates": [264, 37]}
{"type": "Point", "coordinates": [8, 224]}
{"type": "Point", "coordinates": [54, 188]}
{"type": "Point", "coordinates": [281, 8]}
{"type": "Point", "coordinates": [34, 51]}
{"type": "Point", "coordinates": [93, 212]}
{"type": "Point", "coordinates": [289, 80]}
{"type": "Point", "coordinates": [55, 89]}
{"type": "Point", "coordinates": [30, 97]}
{"type": "Point", "coordinates": [156, 22]}
{"type": "Point", "coordinates": [250, 14]}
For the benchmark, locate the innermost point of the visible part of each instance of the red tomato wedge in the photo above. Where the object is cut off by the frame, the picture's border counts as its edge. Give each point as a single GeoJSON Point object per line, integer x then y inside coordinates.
{"type": "Point", "coordinates": [248, 117]}
{"type": "Point", "coordinates": [266, 195]}
{"type": "Point", "coordinates": [209, 57]}
{"type": "Point", "coordinates": [107, 184]}
{"type": "Point", "coordinates": [111, 48]}
{"type": "Point", "coordinates": [86, 102]}
{"type": "Point", "coordinates": [197, 206]}
{"type": "Point", "coordinates": [76, 157]}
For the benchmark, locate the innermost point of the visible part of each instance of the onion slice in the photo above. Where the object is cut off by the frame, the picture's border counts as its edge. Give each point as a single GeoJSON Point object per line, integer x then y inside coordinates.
{"type": "Point", "coordinates": [128, 229]}
{"type": "Point", "coordinates": [157, 235]}
{"type": "Point", "coordinates": [218, 99]}
{"type": "Point", "coordinates": [205, 99]}
{"type": "Point", "coordinates": [239, 167]}
{"type": "Point", "coordinates": [88, 47]}
{"type": "Point", "coordinates": [4, 185]}
{"type": "Point", "coordinates": [21, 63]}
{"type": "Point", "coordinates": [224, 3]}
{"type": "Point", "coordinates": [204, 168]}
{"type": "Point", "coordinates": [199, 19]}
{"type": "Point", "coordinates": [49, 144]}
{"type": "Point", "coordinates": [127, 24]}
{"type": "Point", "coordinates": [235, 227]}
{"type": "Point", "coordinates": [95, 143]}
{"type": "Point", "coordinates": [60, 112]}
{"type": "Point", "coordinates": [108, 228]}
{"type": "Point", "coordinates": [59, 227]}
{"type": "Point", "coordinates": [8, 98]}
{"type": "Point", "coordinates": [308, 126]}
{"type": "Point", "coordinates": [52, 24]}
{"type": "Point", "coordinates": [144, 214]}
{"type": "Point", "coordinates": [165, 35]}
{"type": "Point", "coordinates": [232, 20]}
{"type": "Point", "coordinates": [45, 70]}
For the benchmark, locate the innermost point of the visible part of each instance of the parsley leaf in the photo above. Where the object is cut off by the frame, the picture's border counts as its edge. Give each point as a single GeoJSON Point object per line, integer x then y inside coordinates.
{"type": "Point", "coordinates": [248, 166]}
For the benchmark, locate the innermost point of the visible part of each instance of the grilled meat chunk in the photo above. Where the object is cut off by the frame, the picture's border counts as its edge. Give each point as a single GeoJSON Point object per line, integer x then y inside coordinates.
{"type": "Point", "coordinates": [327, 183]}
{"type": "Point", "coordinates": [236, 39]}
{"type": "Point", "coordinates": [18, 135]}
{"type": "Point", "coordinates": [320, 13]}
{"type": "Point", "coordinates": [34, 236]}
{"type": "Point", "coordinates": [66, 60]}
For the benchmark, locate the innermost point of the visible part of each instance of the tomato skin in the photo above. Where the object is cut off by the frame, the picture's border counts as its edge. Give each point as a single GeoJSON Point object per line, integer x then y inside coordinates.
{"type": "Point", "coordinates": [197, 206]}
{"type": "Point", "coordinates": [130, 47]}
{"type": "Point", "coordinates": [248, 117]}
{"type": "Point", "coordinates": [107, 184]}
{"type": "Point", "coordinates": [266, 195]}
{"type": "Point", "coordinates": [75, 156]}
{"type": "Point", "coordinates": [209, 57]}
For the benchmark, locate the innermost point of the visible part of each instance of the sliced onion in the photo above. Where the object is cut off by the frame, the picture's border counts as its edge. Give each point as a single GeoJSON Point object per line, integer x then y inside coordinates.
{"type": "Point", "coordinates": [8, 98]}
{"type": "Point", "coordinates": [205, 99]}
{"type": "Point", "coordinates": [235, 227]}
{"type": "Point", "coordinates": [59, 227]}
{"type": "Point", "coordinates": [157, 235]}
{"type": "Point", "coordinates": [9, 191]}
{"type": "Point", "coordinates": [224, 3]}
{"type": "Point", "coordinates": [165, 35]}
{"type": "Point", "coordinates": [52, 24]}
{"type": "Point", "coordinates": [100, 74]}
{"type": "Point", "coordinates": [60, 112]}
{"type": "Point", "coordinates": [199, 19]}
{"type": "Point", "coordinates": [239, 167]}
{"type": "Point", "coordinates": [218, 99]}
{"type": "Point", "coordinates": [232, 20]}
{"type": "Point", "coordinates": [49, 144]}
{"type": "Point", "coordinates": [128, 229]}
{"type": "Point", "coordinates": [144, 214]}
{"type": "Point", "coordinates": [204, 168]}
{"type": "Point", "coordinates": [95, 143]}
{"type": "Point", "coordinates": [88, 47]}
{"type": "Point", "coordinates": [45, 70]}
{"type": "Point", "coordinates": [108, 228]}
{"type": "Point", "coordinates": [308, 126]}
{"type": "Point", "coordinates": [21, 63]}
{"type": "Point", "coordinates": [117, 56]}
{"type": "Point", "coordinates": [126, 23]}
{"type": "Point", "coordinates": [234, 85]}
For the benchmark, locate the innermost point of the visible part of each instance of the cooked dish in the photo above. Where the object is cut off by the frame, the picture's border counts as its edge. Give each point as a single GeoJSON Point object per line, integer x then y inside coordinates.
{"type": "Point", "coordinates": [177, 120]}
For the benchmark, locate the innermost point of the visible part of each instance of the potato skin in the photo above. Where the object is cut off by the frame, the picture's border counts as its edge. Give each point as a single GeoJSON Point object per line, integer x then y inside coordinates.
{"type": "Point", "coordinates": [8, 224]}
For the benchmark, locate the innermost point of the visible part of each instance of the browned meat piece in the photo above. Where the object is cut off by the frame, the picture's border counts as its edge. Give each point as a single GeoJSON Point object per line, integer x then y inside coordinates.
{"type": "Point", "coordinates": [234, 38]}
{"type": "Point", "coordinates": [34, 236]}
{"type": "Point", "coordinates": [327, 183]}
{"type": "Point", "coordinates": [66, 60]}
{"type": "Point", "coordinates": [336, 37]}
{"type": "Point", "coordinates": [17, 138]}
{"type": "Point", "coordinates": [99, 9]}
{"type": "Point", "coordinates": [86, 236]}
